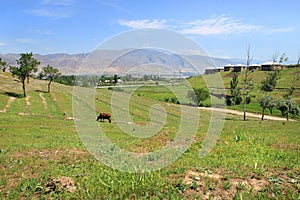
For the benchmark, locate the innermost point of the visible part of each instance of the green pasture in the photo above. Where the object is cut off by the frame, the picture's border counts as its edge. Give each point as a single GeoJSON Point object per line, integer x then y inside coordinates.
{"type": "Point", "coordinates": [39, 142]}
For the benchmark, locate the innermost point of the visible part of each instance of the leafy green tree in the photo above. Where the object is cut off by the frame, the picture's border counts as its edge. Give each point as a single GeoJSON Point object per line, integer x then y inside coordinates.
{"type": "Point", "coordinates": [27, 65]}
{"type": "Point", "coordinates": [266, 102]}
{"type": "Point", "coordinates": [67, 80]}
{"type": "Point", "coordinates": [282, 106]}
{"type": "Point", "coordinates": [198, 95]}
{"type": "Point", "coordinates": [235, 90]}
{"type": "Point", "coordinates": [50, 74]}
{"type": "Point", "coordinates": [291, 105]}
{"type": "Point", "coordinates": [2, 65]}
{"type": "Point", "coordinates": [287, 106]}
{"type": "Point", "coordinates": [268, 84]}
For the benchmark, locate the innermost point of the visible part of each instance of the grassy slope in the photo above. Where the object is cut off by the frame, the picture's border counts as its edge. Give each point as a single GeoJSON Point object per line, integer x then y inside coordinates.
{"type": "Point", "coordinates": [286, 76]}
{"type": "Point", "coordinates": [38, 143]}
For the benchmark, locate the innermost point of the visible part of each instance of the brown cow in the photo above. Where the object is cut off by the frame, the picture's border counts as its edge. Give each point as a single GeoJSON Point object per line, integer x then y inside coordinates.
{"type": "Point", "coordinates": [103, 116]}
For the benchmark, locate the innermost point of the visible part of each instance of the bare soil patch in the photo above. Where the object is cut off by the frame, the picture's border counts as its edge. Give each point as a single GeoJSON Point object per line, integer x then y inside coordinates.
{"type": "Point", "coordinates": [27, 101]}
{"type": "Point", "coordinates": [222, 187]}
{"type": "Point", "coordinates": [60, 184]}
{"type": "Point", "coordinates": [44, 101]}
{"type": "Point", "coordinates": [9, 102]}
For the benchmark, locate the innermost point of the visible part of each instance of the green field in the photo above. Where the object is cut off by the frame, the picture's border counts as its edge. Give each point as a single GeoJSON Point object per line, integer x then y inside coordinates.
{"type": "Point", "coordinates": [39, 145]}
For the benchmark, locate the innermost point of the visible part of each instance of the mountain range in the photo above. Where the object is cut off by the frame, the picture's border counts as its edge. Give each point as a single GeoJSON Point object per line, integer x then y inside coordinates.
{"type": "Point", "coordinates": [126, 61]}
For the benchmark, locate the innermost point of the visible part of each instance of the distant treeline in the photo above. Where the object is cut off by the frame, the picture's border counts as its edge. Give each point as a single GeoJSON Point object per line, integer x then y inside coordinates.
{"type": "Point", "coordinates": [66, 80]}
{"type": "Point", "coordinates": [94, 80]}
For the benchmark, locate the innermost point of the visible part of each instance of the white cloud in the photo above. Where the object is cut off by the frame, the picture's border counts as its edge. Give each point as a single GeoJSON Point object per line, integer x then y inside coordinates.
{"type": "Point", "coordinates": [47, 13]}
{"type": "Point", "coordinates": [215, 25]}
{"type": "Point", "coordinates": [218, 26]}
{"type": "Point", "coordinates": [145, 23]}
{"type": "Point", "coordinates": [42, 32]}
{"type": "Point", "coordinates": [57, 2]}
{"type": "Point", "coordinates": [113, 5]}
{"type": "Point", "coordinates": [279, 30]}
{"type": "Point", "coordinates": [2, 44]}
{"type": "Point", "coordinates": [23, 40]}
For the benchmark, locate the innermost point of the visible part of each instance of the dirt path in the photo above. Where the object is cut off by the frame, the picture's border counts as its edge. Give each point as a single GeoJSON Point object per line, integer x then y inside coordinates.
{"type": "Point", "coordinates": [27, 100]}
{"type": "Point", "coordinates": [44, 101]}
{"type": "Point", "coordinates": [10, 100]}
{"type": "Point", "coordinates": [248, 114]}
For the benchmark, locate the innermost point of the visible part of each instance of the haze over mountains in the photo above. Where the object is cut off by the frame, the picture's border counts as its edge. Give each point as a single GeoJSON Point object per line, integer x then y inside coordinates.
{"type": "Point", "coordinates": [126, 61]}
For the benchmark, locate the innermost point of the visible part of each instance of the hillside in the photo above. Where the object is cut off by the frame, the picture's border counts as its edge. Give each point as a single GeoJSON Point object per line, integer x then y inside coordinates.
{"type": "Point", "coordinates": [283, 84]}
{"type": "Point", "coordinates": [42, 154]}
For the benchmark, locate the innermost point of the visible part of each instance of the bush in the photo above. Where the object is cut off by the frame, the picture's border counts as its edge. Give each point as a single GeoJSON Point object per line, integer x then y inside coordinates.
{"type": "Point", "coordinates": [230, 100]}
{"type": "Point", "coordinates": [172, 100]}
{"type": "Point", "coordinates": [198, 95]}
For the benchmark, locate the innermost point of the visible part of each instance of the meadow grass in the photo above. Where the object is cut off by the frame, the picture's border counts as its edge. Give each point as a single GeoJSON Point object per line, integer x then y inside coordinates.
{"type": "Point", "coordinates": [251, 160]}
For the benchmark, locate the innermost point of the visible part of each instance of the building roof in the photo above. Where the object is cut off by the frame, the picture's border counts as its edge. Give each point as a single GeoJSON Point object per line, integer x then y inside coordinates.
{"type": "Point", "coordinates": [270, 63]}
{"type": "Point", "coordinates": [255, 65]}
{"type": "Point", "coordinates": [239, 65]}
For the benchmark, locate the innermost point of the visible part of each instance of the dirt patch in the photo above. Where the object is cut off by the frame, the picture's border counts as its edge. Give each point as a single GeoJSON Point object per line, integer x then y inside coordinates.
{"type": "Point", "coordinates": [208, 184]}
{"type": "Point", "coordinates": [23, 114]}
{"type": "Point", "coordinates": [60, 184]}
{"type": "Point", "coordinates": [54, 154]}
{"type": "Point", "coordinates": [141, 123]}
{"type": "Point", "coordinates": [36, 115]}
{"type": "Point", "coordinates": [53, 97]}
{"type": "Point", "coordinates": [44, 101]}
{"type": "Point", "coordinates": [9, 102]}
{"type": "Point", "coordinates": [27, 101]}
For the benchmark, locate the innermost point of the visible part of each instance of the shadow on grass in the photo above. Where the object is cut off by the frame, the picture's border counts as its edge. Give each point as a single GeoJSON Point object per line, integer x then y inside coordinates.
{"type": "Point", "coordinates": [12, 94]}
{"type": "Point", "coordinates": [42, 91]}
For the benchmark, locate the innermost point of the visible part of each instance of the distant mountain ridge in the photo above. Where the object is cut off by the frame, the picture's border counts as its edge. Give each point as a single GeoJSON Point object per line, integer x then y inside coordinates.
{"type": "Point", "coordinates": [124, 61]}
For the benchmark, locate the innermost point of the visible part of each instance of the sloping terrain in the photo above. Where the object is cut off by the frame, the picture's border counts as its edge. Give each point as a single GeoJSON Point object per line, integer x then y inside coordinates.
{"type": "Point", "coordinates": [42, 155]}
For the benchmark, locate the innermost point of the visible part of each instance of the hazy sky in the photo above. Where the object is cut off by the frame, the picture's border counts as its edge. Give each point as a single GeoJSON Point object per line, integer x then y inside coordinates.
{"type": "Point", "coordinates": [222, 28]}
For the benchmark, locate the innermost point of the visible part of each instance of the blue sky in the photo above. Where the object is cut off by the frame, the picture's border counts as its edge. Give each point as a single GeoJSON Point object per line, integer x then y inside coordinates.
{"type": "Point", "coordinates": [223, 28]}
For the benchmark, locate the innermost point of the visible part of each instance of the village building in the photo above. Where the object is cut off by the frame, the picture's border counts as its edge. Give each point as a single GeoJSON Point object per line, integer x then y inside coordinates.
{"type": "Point", "coordinates": [228, 67]}
{"type": "Point", "coordinates": [253, 67]}
{"type": "Point", "coordinates": [270, 66]}
{"type": "Point", "coordinates": [239, 68]}
{"type": "Point", "coordinates": [213, 70]}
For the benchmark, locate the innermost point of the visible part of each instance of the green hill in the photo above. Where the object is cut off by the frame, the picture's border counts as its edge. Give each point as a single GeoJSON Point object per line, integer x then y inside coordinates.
{"type": "Point", "coordinates": [284, 82]}
{"type": "Point", "coordinates": [43, 157]}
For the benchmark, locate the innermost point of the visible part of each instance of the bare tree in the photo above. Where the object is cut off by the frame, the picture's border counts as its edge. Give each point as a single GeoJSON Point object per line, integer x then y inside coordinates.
{"type": "Point", "coordinates": [247, 81]}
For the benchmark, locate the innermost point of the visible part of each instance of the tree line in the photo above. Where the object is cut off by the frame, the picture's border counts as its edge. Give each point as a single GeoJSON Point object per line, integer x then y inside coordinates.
{"type": "Point", "coordinates": [27, 65]}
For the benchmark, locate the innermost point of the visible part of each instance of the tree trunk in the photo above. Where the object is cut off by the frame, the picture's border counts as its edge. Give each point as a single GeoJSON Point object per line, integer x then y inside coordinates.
{"type": "Point", "coordinates": [263, 114]}
{"type": "Point", "coordinates": [49, 85]}
{"type": "Point", "coordinates": [245, 108]}
{"type": "Point", "coordinates": [24, 88]}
